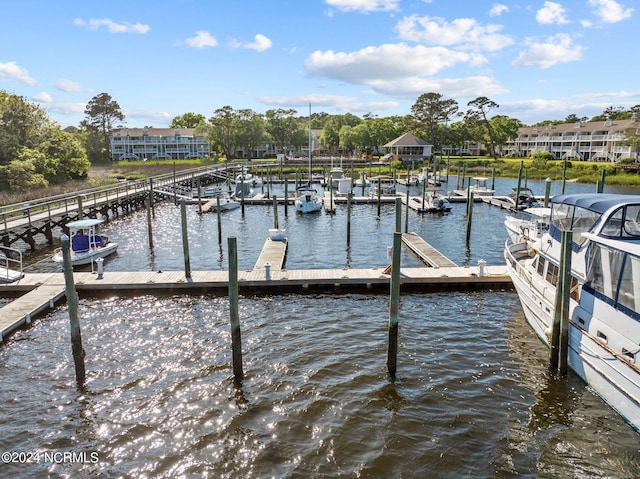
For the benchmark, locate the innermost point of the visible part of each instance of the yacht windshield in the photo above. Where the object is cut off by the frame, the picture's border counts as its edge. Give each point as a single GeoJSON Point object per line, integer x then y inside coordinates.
{"type": "Point", "coordinates": [573, 218]}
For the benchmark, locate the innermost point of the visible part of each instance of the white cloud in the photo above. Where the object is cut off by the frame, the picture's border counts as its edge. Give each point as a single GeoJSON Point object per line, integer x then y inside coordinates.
{"type": "Point", "coordinates": [389, 61]}
{"type": "Point", "coordinates": [42, 97]}
{"type": "Point", "coordinates": [412, 87]}
{"type": "Point", "coordinates": [498, 9]}
{"type": "Point", "coordinates": [610, 11]}
{"type": "Point", "coordinates": [260, 43]}
{"type": "Point", "coordinates": [364, 6]}
{"type": "Point", "coordinates": [337, 102]}
{"type": "Point", "coordinates": [11, 72]}
{"type": "Point", "coordinates": [551, 13]}
{"type": "Point", "coordinates": [201, 40]}
{"type": "Point", "coordinates": [69, 86]}
{"type": "Point", "coordinates": [555, 50]}
{"type": "Point", "coordinates": [113, 27]}
{"type": "Point", "coordinates": [465, 33]}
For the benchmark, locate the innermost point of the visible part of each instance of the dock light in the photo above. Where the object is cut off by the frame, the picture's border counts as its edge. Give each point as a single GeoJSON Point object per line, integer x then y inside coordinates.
{"type": "Point", "coordinates": [267, 271]}
{"type": "Point", "coordinates": [99, 262]}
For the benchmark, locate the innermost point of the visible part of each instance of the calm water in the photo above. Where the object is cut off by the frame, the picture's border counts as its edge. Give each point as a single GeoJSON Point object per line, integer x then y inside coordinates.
{"type": "Point", "coordinates": [472, 398]}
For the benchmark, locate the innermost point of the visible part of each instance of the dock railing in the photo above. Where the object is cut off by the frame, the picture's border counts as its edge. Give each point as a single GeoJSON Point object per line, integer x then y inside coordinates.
{"type": "Point", "coordinates": [10, 261]}
{"type": "Point", "coordinates": [42, 208]}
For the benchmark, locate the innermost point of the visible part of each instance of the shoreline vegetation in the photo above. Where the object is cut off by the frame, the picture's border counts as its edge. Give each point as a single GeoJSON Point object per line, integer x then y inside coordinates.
{"type": "Point", "coordinates": [576, 171]}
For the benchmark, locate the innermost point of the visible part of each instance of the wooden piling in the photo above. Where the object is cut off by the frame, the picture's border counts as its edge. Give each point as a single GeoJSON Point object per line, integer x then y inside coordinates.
{"type": "Point", "coordinates": [394, 305]}
{"type": "Point", "coordinates": [219, 214]}
{"type": "Point", "coordinates": [558, 353]}
{"type": "Point", "coordinates": [406, 211]}
{"type": "Point", "coordinates": [149, 228]}
{"type": "Point", "coordinates": [199, 197]}
{"type": "Point", "coordinates": [469, 215]}
{"type": "Point", "coordinates": [236, 337]}
{"type": "Point", "coordinates": [349, 218]}
{"type": "Point", "coordinates": [185, 239]}
{"type": "Point", "coordinates": [398, 205]}
{"type": "Point", "coordinates": [379, 194]}
{"type": "Point", "coordinates": [72, 305]}
{"type": "Point", "coordinates": [286, 197]}
{"type": "Point", "coordinates": [547, 192]}
{"type": "Point", "coordinates": [600, 184]}
{"type": "Point", "coordinates": [275, 212]}
{"type": "Point", "coordinates": [517, 198]}
{"type": "Point", "coordinates": [80, 208]}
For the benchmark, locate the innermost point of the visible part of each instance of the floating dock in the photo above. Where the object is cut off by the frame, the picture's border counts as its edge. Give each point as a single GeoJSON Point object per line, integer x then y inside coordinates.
{"type": "Point", "coordinates": [274, 253]}
{"type": "Point", "coordinates": [425, 252]}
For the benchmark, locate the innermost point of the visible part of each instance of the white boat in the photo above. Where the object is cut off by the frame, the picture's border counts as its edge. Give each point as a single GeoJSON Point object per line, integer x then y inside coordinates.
{"type": "Point", "coordinates": [531, 227]}
{"type": "Point", "coordinates": [335, 175]}
{"type": "Point", "coordinates": [277, 234]}
{"type": "Point", "coordinates": [363, 180]}
{"type": "Point", "coordinates": [227, 201]}
{"type": "Point", "coordinates": [386, 184]}
{"type": "Point", "coordinates": [307, 198]}
{"type": "Point", "coordinates": [86, 244]}
{"type": "Point", "coordinates": [604, 310]}
{"type": "Point", "coordinates": [432, 203]}
{"type": "Point", "coordinates": [479, 187]}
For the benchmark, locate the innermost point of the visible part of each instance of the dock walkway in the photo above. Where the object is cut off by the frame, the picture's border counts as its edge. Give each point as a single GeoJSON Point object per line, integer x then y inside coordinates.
{"type": "Point", "coordinates": [21, 310]}
{"type": "Point", "coordinates": [425, 252]}
{"type": "Point", "coordinates": [274, 253]}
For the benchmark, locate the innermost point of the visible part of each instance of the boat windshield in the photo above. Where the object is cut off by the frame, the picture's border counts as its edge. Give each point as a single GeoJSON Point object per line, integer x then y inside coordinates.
{"type": "Point", "coordinates": [624, 223]}
{"type": "Point", "coordinates": [566, 217]}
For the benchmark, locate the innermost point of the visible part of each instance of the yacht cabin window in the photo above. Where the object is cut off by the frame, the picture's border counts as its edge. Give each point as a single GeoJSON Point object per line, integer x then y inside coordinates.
{"type": "Point", "coordinates": [613, 274]}
{"type": "Point", "coordinates": [623, 223]}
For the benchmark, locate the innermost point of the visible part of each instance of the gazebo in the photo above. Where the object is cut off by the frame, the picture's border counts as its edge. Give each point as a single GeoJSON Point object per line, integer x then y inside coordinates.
{"type": "Point", "coordinates": [409, 147]}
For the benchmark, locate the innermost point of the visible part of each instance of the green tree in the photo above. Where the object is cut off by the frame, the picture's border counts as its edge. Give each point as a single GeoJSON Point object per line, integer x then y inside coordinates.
{"type": "Point", "coordinates": [102, 114]}
{"type": "Point", "coordinates": [330, 137]}
{"type": "Point", "coordinates": [250, 128]}
{"type": "Point", "coordinates": [281, 125]}
{"type": "Point", "coordinates": [478, 113]}
{"type": "Point", "coordinates": [429, 111]}
{"type": "Point", "coordinates": [504, 128]}
{"type": "Point", "coordinates": [21, 124]}
{"type": "Point", "coordinates": [187, 120]}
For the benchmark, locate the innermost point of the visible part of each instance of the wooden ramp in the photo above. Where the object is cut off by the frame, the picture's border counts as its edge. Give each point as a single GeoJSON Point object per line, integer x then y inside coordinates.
{"type": "Point", "coordinates": [274, 253]}
{"type": "Point", "coordinates": [329, 202]}
{"type": "Point", "coordinates": [21, 310]}
{"type": "Point", "coordinates": [425, 252]}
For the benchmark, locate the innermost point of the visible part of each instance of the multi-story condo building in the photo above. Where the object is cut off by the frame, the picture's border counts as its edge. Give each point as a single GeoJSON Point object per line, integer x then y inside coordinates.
{"type": "Point", "coordinates": [152, 143]}
{"type": "Point", "coordinates": [589, 141]}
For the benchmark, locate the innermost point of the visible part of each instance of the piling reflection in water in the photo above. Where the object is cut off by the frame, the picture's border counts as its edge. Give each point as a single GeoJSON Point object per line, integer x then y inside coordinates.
{"type": "Point", "coordinates": [472, 396]}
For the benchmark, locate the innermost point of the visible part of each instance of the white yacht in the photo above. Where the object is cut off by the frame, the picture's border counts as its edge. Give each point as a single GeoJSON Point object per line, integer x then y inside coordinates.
{"type": "Point", "coordinates": [308, 200]}
{"type": "Point", "coordinates": [604, 310]}
{"type": "Point", "coordinates": [86, 244]}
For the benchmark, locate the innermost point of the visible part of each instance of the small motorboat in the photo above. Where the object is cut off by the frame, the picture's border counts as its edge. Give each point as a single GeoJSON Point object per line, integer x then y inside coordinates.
{"type": "Point", "coordinates": [86, 244]}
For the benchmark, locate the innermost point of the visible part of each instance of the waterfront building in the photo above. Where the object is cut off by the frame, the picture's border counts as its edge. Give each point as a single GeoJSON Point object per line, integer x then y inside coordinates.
{"type": "Point", "coordinates": [588, 141]}
{"type": "Point", "coordinates": [155, 143]}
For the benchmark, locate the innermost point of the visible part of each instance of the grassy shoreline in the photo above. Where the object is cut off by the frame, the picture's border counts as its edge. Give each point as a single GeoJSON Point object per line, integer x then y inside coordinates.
{"type": "Point", "coordinates": [106, 174]}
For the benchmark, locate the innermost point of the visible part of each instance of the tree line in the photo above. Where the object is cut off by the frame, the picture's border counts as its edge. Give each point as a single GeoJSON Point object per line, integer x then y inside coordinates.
{"type": "Point", "coordinates": [36, 152]}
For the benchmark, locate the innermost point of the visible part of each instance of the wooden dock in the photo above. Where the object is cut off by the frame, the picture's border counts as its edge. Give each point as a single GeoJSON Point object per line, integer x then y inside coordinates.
{"type": "Point", "coordinates": [329, 202]}
{"type": "Point", "coordinates": [21, 310]}
{"type": "Point", "coordinates": [425, 252]}
{"type": "Point", "coordinates": [274, 253]}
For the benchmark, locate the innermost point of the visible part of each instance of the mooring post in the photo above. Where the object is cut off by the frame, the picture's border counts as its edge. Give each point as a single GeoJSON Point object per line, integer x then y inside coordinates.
{"type": "Point", "coordinates": [394, 305]}
{"type": "Point", "coordinates": [406, 211]}
{"type": "Point", "coordinates": [286, 197]}
{"type": "Point", "coordinates": [149, 229]}
{"type": "Point", "coordinates": [379, 194]}
{"type": "Point", "coordinates": [493, 178]}
{"type": "Point", "coordinates": [80, 208]}
{"type": "Point", "coordinates": [219, 219]}
{"type": "Point", "coordinates": [175, 198]}
{"type": "Point", "coordinates": [236, 340]}
{"type": "Point", "coordinates": [242, 195]}
{"type": "Point", "coordinates": [558, 352]}
{"type": "Point", "coordinates": [469, 215]}
{"type": "Point", "coordinates": [547, 191]}
{"type": "Point", "coordinates": [151, 191]}
{"type": "Point", "coordinates": [564, 175]}
{"type": "Point", "coordinates": [185, 239]}
{"type": "Point", "coordinates": [398, 205]}
{"type": "Point", "coordinates": [72, 305]}
{"type": "Point", "coordinates": [331, 205]}
{"type": "Point", "coordinates": [349, 194]}
{"type": "Point", "coordinates": [199, 197]}
{"type": "Point", "coordinates": [600, 184]}
{"type": "Point", "coordinates": [424, 188]}
{"type": "Point", "coordinates": [275, 211]}
{"type": "Point", "coordinates": [518, 184]}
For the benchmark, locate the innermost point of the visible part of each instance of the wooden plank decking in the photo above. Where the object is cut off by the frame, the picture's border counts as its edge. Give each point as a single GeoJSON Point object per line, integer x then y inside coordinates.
{"type": "Point", "coordinates": [274, 253]}
{"type": "Point", "coordinates": [425, 252]}
{"type": "Point", "coordinates": [21, 310]}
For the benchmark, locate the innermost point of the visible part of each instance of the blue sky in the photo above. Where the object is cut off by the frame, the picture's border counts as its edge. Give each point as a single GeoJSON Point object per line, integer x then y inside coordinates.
{"type": "Point", "coordinates": [159, 59]}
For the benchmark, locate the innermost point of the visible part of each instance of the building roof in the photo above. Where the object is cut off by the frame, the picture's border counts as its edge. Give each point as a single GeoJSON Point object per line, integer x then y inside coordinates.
{"type": "Point", "coordinates": [611, 126]}
{"type": "Point", "coordinates": [151, 131]}
{"type": "Point", "coordinates": [407, 140]}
